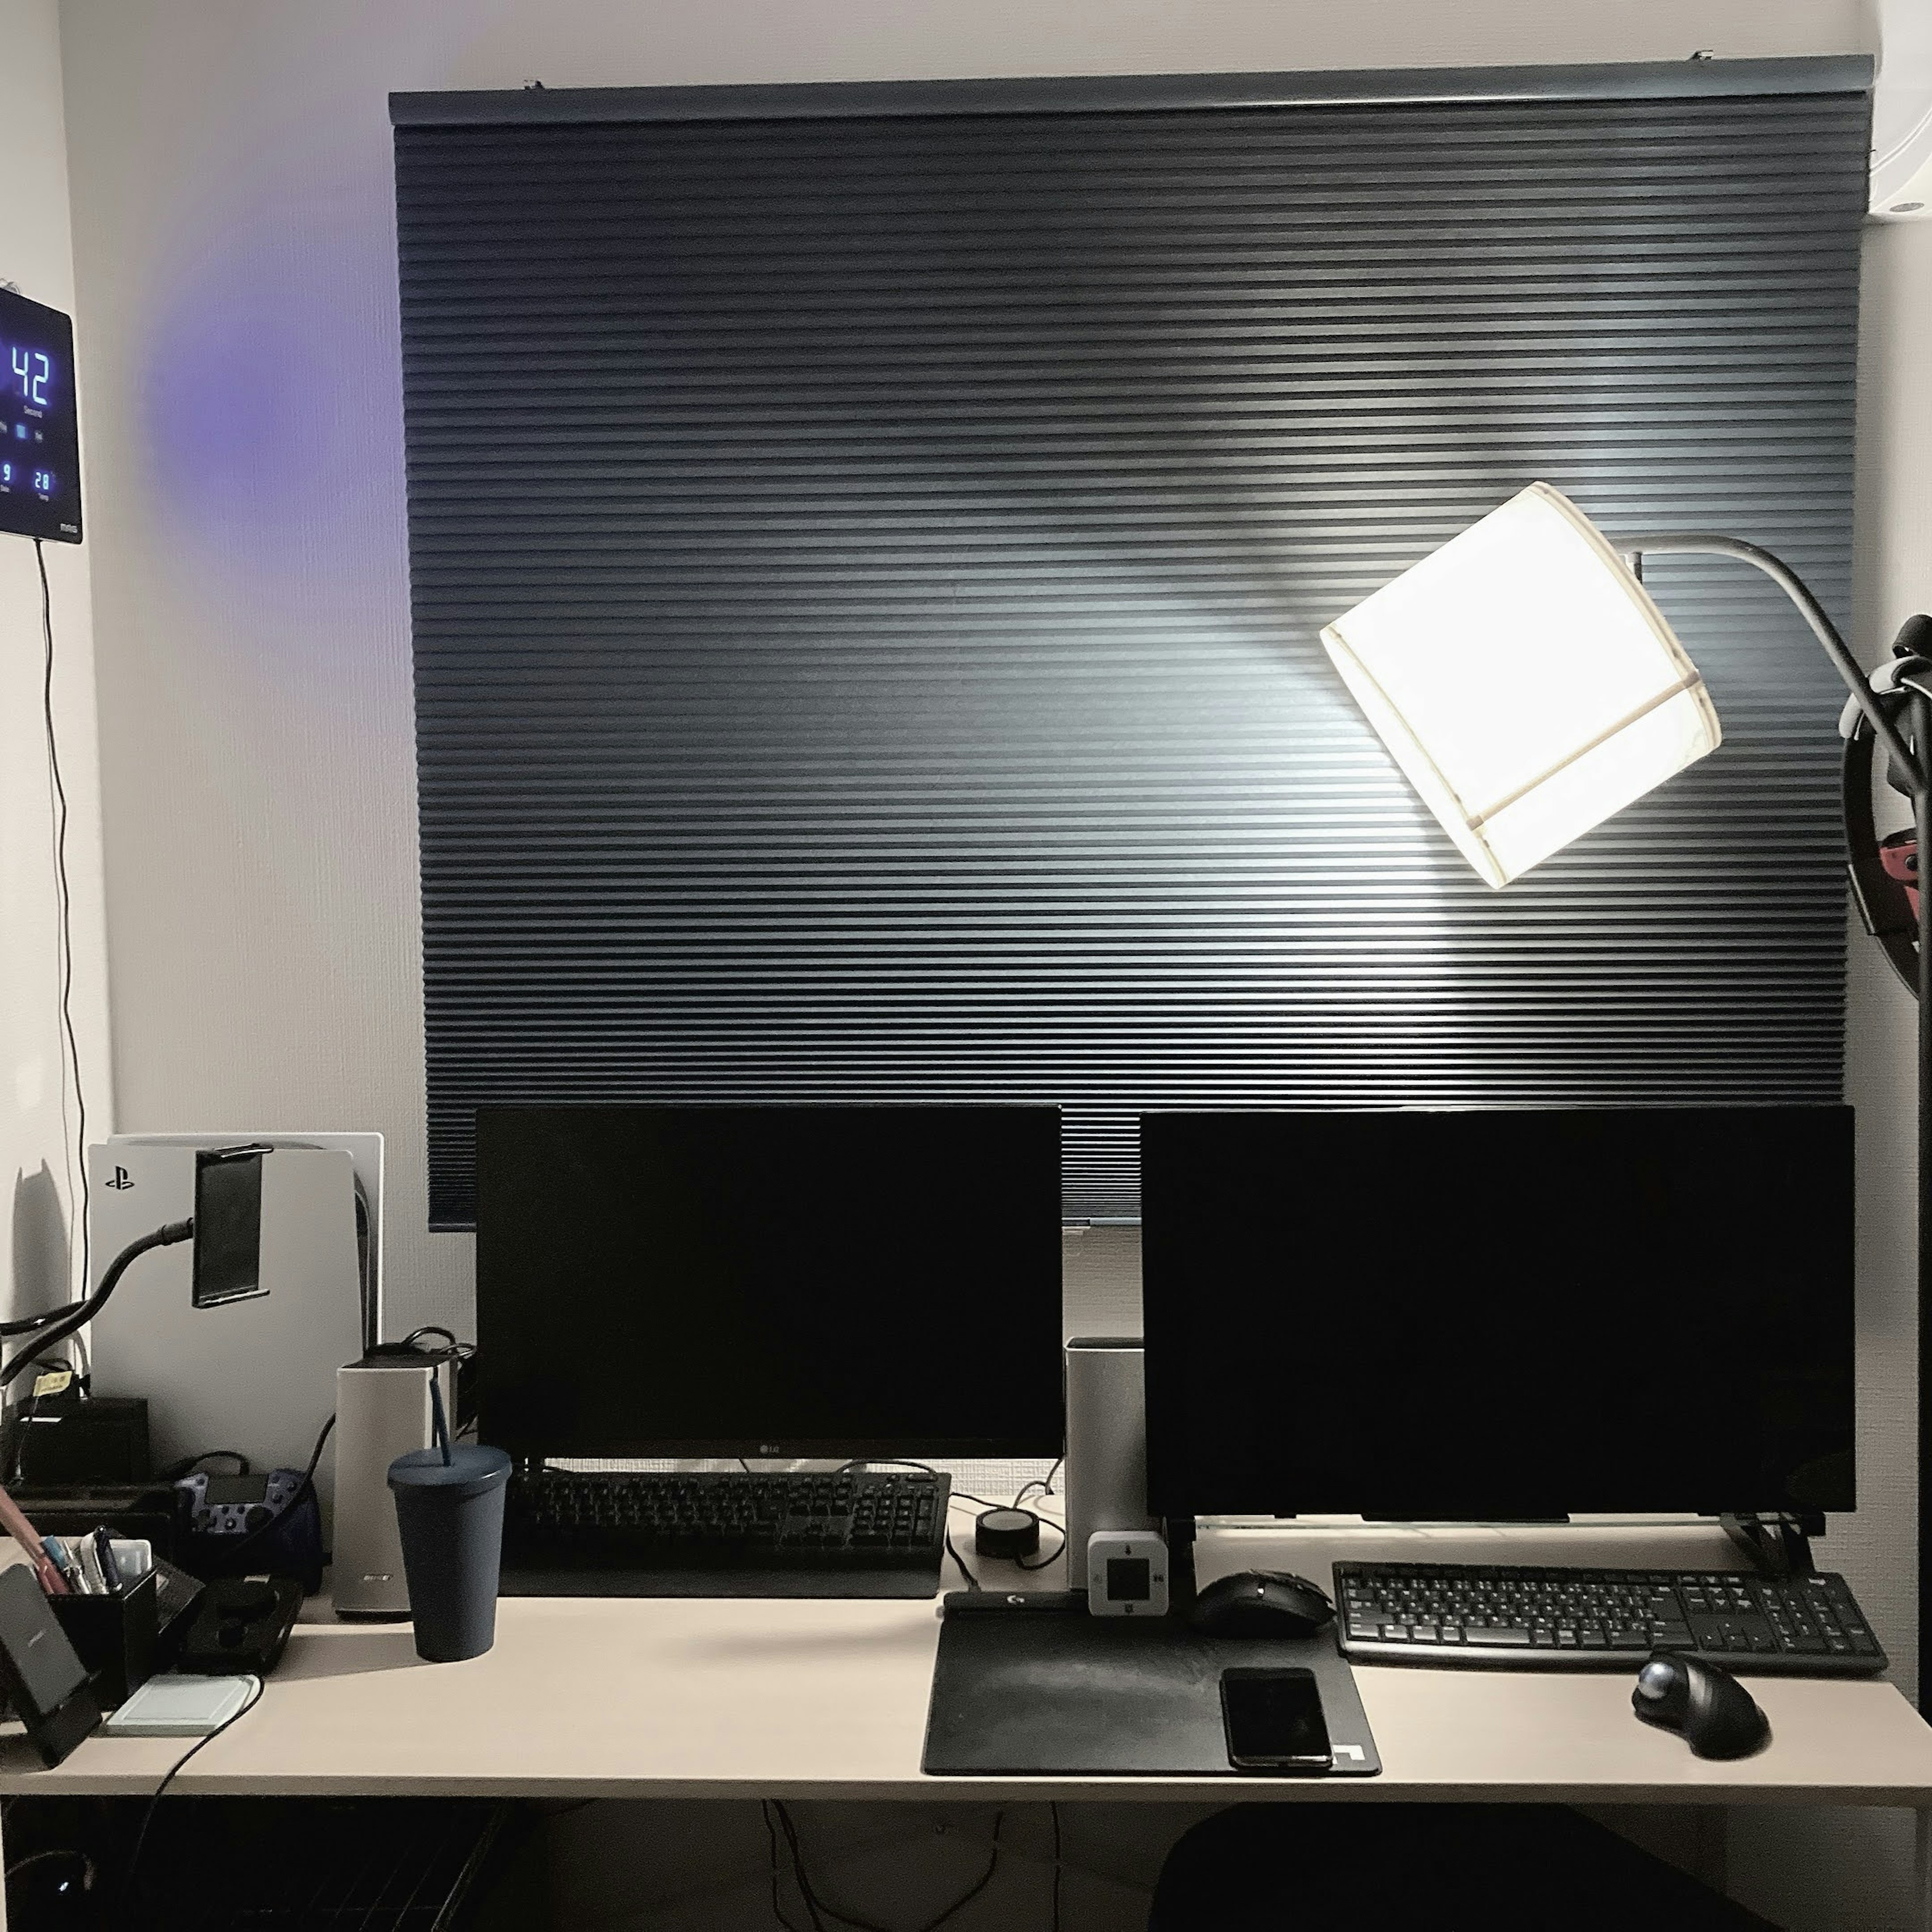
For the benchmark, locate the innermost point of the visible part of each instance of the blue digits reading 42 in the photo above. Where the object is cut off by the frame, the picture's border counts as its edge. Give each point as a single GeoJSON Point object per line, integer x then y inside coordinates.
{"type": "Point", "coordinates": [32, 370]}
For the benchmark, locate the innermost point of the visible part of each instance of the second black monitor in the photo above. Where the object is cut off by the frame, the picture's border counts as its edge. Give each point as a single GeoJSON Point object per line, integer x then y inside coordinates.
{"type": "Point", "coordinates": [768, 1281]}
{"type": "Point", "coordinates": [1497, 1315]}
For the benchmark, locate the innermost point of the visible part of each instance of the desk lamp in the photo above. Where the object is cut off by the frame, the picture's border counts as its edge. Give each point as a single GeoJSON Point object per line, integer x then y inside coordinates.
{"type": "Point", "coordinates": [1529, 688]}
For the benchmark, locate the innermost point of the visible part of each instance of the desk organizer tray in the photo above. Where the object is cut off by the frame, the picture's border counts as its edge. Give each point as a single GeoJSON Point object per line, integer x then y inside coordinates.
{"type": "Point", "coordinates": [1033, 1686]}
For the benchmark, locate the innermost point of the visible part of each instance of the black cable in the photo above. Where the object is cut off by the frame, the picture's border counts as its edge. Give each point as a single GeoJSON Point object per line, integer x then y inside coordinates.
{"type": "Point", "coordinates": [147, 1817]}
{"type": "Point", "coordinates": [972, 1581]}
{"type": "Point", "coordinates": [84, 1312]}
{"type": "Point", "coordinates": [66, 913]}
{"type": "Point", "coordinates": [820, 1910]}
{"type": "Point", "coordinates": [1044, 1485]}
{"type": "Point", "coordinates": [315, 1454]}
{"type": "Point", "coordinates": [1052, 1556]}
{"type": "Point", "coordinates": [462, 1351]}
{"type": "Point", "coordinates": [986, 1878]}
{"type": "Point", "coordinates": [28, 1324]}
{"type": "Point", "coordinates": [1053, 1812]}
{"type": "Point", "coordinates": [187, 1464]}
{"type": "Point", "coordinates": [803, 1883]}
{"type": "Point", "coordinates": [772, 1840]}
{"type": "Point", "coordinates": [985, 1502]}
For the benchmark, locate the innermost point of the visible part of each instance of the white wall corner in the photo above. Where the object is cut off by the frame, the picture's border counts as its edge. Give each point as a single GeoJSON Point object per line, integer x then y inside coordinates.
{"type": "Point", "coordinates": [39, 1151]}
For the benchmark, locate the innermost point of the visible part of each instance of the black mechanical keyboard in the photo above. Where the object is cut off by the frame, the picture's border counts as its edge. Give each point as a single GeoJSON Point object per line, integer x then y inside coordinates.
{"type": "Point", "coordinates": [884, 1531]}
{"type": "Point", "coordinates": [1580, 1619]}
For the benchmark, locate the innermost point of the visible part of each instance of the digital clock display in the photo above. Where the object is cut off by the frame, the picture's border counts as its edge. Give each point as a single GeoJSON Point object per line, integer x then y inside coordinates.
{"type": "Point", "coordinates": [40, 437]}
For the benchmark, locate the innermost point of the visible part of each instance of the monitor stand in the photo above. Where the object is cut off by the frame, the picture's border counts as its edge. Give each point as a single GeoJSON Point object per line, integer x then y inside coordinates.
{"type": "Point", "coordinates": [1178, 1533]}
{"type": "Point", "coordinates": [1779, 1542]}
{"type": "Point", "coordinates": [1477, 1520]}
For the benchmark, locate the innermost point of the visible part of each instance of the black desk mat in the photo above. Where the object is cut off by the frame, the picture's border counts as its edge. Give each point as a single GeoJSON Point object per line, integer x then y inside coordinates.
{"type": "Point", "coordinates": [1035, 1686]}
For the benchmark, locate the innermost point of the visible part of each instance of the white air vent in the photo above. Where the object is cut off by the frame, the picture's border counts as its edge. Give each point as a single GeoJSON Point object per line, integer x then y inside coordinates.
{"type": "Point", "coordinates": [1901, 171]}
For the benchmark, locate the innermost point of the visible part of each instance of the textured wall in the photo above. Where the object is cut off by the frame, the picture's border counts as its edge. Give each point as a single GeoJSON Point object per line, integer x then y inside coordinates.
{"type": "Point", "coordinates": [39, 1127]}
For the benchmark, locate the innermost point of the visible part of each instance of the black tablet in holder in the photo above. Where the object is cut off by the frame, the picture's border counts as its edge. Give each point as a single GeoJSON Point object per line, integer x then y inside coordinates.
{"type": "Point", "coordinates": [45, 1681]}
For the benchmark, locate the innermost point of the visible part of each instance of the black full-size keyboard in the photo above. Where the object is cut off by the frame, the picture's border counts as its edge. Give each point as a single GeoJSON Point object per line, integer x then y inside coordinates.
{"type": "Point", "coordinates": [1590, 1619]}
{"type": "Point", "coordinates": [857, 1523]}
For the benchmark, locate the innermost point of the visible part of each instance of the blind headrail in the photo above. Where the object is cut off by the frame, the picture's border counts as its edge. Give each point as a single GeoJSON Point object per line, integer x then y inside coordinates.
{"type": "Point", "coordinates": [1130, 94]}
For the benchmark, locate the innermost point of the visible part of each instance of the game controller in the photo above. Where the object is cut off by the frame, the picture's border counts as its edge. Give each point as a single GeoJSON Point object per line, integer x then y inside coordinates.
{"type": "Point", "coordinates": [239, 1505]}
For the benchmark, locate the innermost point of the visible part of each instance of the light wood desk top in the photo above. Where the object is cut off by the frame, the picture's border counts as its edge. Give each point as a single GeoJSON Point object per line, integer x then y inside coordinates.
{"type": "Point", "coordinates": [667, 1697]}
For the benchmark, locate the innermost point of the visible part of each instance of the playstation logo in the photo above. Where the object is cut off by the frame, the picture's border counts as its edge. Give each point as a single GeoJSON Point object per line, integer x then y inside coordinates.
{"type": "Point", "coordinates": [121, 1182]}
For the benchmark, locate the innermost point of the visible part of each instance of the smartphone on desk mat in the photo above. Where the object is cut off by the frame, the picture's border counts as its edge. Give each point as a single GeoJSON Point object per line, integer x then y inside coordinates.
{"type": "Point", "coordinates": [1274, 1721]}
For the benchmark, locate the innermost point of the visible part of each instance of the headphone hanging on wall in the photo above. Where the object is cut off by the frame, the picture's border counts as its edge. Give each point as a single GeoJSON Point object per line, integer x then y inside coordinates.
{"type": "Point", "coordinates": [1884, 871]}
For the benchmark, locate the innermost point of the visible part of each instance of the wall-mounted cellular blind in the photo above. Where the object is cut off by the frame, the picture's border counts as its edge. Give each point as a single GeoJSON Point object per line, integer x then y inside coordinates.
{"type": "Point", "coordinates": [868, 547]}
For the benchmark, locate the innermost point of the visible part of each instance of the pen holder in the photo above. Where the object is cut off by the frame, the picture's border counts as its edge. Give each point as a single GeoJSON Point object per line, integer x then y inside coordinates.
{"type": "Point", "coordinates": [114, 1637]}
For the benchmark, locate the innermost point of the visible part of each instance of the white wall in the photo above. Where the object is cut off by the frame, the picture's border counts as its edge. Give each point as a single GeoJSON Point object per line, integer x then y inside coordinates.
{"type": "Point", "coordinates": [39, 1143]}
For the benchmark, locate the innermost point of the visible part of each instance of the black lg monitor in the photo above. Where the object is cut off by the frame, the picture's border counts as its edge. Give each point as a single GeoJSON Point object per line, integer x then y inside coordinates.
{"type": "Point", "coordinates": [1499, 1315]}
{"type": "Point", "coordinates": [768, 1281]}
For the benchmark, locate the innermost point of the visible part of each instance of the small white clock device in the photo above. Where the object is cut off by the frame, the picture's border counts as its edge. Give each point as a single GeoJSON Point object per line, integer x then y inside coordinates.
{"type": "Point", "coordinates": [1127, 1573]}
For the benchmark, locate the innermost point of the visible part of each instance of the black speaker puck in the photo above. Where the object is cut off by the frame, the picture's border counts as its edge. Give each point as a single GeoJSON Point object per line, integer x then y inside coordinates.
{"type": "Point", "coordinates": [1010, 1533]}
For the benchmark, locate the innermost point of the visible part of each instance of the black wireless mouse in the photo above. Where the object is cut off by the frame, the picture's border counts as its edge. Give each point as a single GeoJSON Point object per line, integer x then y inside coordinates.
{"type": "Point", "coordinates": [1717, 1715]}
{"type": "Point", "coordinates": [1261, 1603]}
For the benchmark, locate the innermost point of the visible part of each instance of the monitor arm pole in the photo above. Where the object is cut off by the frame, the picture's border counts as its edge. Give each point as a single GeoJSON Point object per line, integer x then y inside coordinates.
{"type": "Point", "coordinates": [1779, 1543]}
{"type": "Point", "coordinates": [1910, 674]}
{"type": "Point", "coordinates": [1177, 1531]}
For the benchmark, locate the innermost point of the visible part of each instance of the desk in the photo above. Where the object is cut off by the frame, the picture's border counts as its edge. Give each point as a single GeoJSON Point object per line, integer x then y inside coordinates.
{"type": "Point", "coordinates": [678, 1698]}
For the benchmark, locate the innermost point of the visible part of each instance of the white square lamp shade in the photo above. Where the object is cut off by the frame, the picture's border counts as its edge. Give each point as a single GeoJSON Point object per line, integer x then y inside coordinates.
{"type": "Point", "coordinates": [1523, 680]}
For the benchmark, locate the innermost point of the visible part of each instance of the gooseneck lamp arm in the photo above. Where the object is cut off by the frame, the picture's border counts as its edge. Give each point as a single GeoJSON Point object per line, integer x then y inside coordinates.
{"type": "Point", "coordinates": [1788, 580]}
{"type": "Point", "coordinates": [1909, 676]}
{"type": "Point", "coordinates": [83, 1311]}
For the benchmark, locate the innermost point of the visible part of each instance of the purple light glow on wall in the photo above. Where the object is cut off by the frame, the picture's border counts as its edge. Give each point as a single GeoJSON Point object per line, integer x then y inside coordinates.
{"type": "Point", "coordinates": [270, 399]}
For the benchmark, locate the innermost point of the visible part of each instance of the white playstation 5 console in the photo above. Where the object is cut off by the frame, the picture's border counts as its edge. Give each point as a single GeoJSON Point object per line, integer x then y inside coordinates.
{"type": "Point", "coordinates": [251, 1368]}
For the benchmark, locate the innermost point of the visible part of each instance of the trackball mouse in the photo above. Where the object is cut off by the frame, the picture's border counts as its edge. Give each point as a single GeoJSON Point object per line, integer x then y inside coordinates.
{"type": "Point", "coordinates": [1261, 1603]}
{"type": "Point", "coordinates": [1718, 1716]}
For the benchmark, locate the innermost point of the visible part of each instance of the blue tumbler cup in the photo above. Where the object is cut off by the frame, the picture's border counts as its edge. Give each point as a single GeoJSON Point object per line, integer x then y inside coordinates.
{"type": "Point", "coordinates": [449, 1509]}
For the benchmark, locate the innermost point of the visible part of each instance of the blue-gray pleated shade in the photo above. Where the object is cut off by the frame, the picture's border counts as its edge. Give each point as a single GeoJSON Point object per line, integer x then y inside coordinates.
{"type": "Point", "coordinates": [867, 571]}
